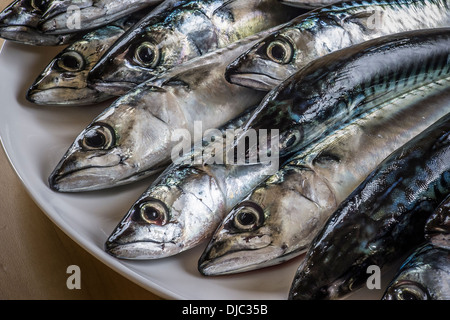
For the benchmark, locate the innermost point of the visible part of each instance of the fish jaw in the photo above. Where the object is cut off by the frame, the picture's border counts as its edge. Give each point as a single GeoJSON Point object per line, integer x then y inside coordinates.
{"type": "Point", "coordinates": [251, 70]}
{"type": "Point", "coordinates": [128, 141]}
{"type": "Point", "coordinates": [187, 218]}
{"type": "Point", "coordinates": [54, 87]}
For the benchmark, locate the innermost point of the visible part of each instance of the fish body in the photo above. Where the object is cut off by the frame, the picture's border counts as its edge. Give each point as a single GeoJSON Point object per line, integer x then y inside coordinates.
{"type": "Point", "coordinates": [222, 185]}
{"type": "Point", "coordinates": [293, 205]}
{"type": "Point", "coordinates": [20, 20]}
{"type": "Point", "coordinates": [381, 220]}
{"type": "Point", "coordinates": [67, 16]}
{"type": "Point", "coordinates": [346, 84]}
{"type": "Point", "coordinates": [184, 30]}
{"type": "Point", "coordinates": [64, 80]}
{"type": "Point", "coordinates": [308, 4]}
{"type": "Point", "coordinates": [425, 275]}
{"type": "Point", "coordinates": [322, 31]}
{"type": "Point", "coordinates": [134, 137]}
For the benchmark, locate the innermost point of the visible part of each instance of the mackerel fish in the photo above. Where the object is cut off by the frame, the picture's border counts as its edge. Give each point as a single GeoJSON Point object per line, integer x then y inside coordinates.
{"type": "Point", "coordinates": [381, 220]}
{"type": "Point", "coordinates": [189, 201]}
{"type": "Point", "coordinates": [19, 23]}
{"type": "Point", "coordinates": [319, 32]}
{"type": "Point", "coordinates": [348, 83]}
{"type": "Point", "coordinates": [280, 217]}
{"type": "Point", "coordinates": [184, 31]}
{"type": "Point", "coordinates": [425, 275]}
{"type": "Point", "coordinates": [66, 16]}
{"type": "Point", "coordinates": [64, 80]}
{"type": "Point", "coordinates": [134, 137]}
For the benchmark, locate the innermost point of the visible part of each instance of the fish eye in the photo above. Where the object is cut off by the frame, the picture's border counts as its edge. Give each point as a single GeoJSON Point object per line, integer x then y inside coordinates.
{"type": "Point", "coordinates": [71, 61]}
{"type": "Point", "coordinates": [153, 212]}
{"type": "Point", "coordinates": [280, 51]}
{"type": "Point", "coordinates": [147, 55]}
{"type": "Point", "coordinates": [249, 217]}
{"type": "Point", "coordinates": [290, 139]}
{"type": "Point", "coordinates": [410, 290]}
{"type": "Point", "coordinates": [39, 5]}
{"type": "Point", "coordinates": [99, 136]}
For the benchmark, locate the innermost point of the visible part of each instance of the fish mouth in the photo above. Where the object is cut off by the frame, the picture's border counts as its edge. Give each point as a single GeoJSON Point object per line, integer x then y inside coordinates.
{"type": "Point", "coordinates": [89, 179]}
{"type": "Point", "coordinates": [115, 88]}
{"type": "Point", "coordinates": [257, 81]}
{"type": "Point", "coordinates": [238, 261]}
{"type": "Point", "coordinates": [141, 250]}
{"type": "Point", "coordinates": [65, 96]}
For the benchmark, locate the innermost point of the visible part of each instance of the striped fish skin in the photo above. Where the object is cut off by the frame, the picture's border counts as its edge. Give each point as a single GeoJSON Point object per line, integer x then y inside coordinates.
{"type": "Point", "coordinates": [425, 275]}
{"type": "Point", "coordinates": [19, 23]}
{"type": "Point", "coordinates": [91, 14]}
{"type": "Point", "coordinates": [297, 201]}
{"type": "Point", "coordinates": [308, 4]}
{"type": "Point", "coordinates": [381, 220]}
{"type": "Point", "coordinates": [348, 83]}
{"type": "Point", "coordinates": [134, 137]}
{"type": "Point", "coordinates": [223, 186]}
{"type": "Point", "coordinates": [180, 33]}
{"type": "Point", "coordinates": [328, 29]}
{"type": "Point", "coordinates": [64, 80]}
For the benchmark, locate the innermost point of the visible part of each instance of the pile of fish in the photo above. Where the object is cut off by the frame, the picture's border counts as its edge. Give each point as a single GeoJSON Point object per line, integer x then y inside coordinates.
{"type": "Point", "coordinates": [274, 128]}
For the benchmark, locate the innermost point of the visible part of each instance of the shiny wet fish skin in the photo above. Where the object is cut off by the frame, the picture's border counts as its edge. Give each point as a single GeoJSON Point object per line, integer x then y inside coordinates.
{"type": "Point", "coordinates": [308, 4]}
{"type": "Point", "coordinates": [180, 33]}
{"type": "Point", "coordinates": [19, 23]}
{"type": "Point", "coordinates": [358, 79]}
{"type": "Point", "coordinates": [178, 211]}
{"type": "Point", "coordinates": [64, 80]}
{"type": "Point", "coordinates": [92, 14]}
{"type": "Point", "coordinates": [298, 200]}
{"type": "Point", "coordinates": [229, 184]}
{"type": "Point", "coordinates": [325, 30]}
{"type": "Point", "coordinates": [381, 220]}
{"type": "Point", "coordinates": [134, 137]}
{"type": "Point", "coordinates": [425, 275]}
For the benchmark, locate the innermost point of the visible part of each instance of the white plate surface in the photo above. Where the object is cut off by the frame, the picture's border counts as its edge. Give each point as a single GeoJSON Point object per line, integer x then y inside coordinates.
{"type": "Point", "coordinates": [36, 137]}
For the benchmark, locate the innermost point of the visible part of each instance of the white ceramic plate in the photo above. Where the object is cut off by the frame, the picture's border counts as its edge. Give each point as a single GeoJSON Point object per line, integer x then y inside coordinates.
{"type": "Point", "coordinates": [36, 137]}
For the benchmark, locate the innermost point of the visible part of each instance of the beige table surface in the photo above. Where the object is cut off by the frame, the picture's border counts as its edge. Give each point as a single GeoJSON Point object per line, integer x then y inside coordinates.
{"type": "Point", "coordinates": [35, 254]}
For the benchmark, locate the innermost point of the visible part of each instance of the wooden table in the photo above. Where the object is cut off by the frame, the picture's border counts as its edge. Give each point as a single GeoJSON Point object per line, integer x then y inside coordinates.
{"type": "Point", "coordinates": [35, 254]}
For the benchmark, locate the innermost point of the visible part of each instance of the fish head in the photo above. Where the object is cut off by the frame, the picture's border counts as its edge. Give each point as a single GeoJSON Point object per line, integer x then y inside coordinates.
{"type": "Point", "coordinates": [64, 80]}
{"type": "Point", "coordinates": [129, 140]}
{"type": "Point", "coordinates": [173, 215]}
{"type": "Point", "coordinates": [267, 63]}
{"type": "Point", "coordinates": [135, 58]}
{"type": "Point", "coordinates": [20, 19]}
{"type": "Point", "coordinates": [406, 290]}
{"type": "Point", "coordinates": [275, 222]}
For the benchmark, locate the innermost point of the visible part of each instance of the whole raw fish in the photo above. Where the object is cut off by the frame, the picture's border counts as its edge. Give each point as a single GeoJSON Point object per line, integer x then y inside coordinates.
{"type": "Point", "coordinates": [328, 29]}
{"type": "Point", "coordinates": [181, 32]}
{"type": "Point", "coordinates": [348, 83]}
{"type": "Point", "coordinates": [134, 137]}
{"type": "Point", "coordinates": [382, 219]}
{"type": "Point", "coordinates": [205, 193]}
{"type": "Point", "coordinates": [280, 217]}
